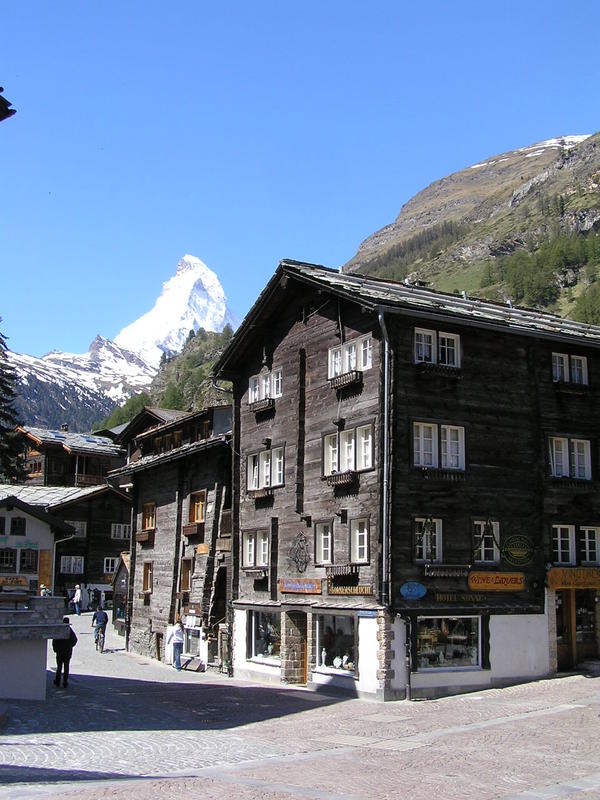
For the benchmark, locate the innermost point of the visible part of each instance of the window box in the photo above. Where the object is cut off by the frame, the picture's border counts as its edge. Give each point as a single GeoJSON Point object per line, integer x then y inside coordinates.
{"type": "Point", "coordinates": [342, 478]}
{"type": "Point", "coordinates": [442, 474]}
{"type": "Point", "coordinates": [256, 572]}
{"type": "Point", "coordinates": [438, 369]}
{"type": "Point", "coordinates": [346, 379]}
{"type": "Point", "coordinates": [266, 404]}
{"type": "Point", "coordinates": [145, 537]}
{"type": "Point", "coordinates": [333, 570]}
{"type": "Point", "coordinates": [193, 529]}
{"type": "Point", "coordinates": [258, 494]}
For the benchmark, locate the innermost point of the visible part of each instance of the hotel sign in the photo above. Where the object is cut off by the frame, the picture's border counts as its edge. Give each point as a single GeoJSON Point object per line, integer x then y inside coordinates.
{"type": "Point", "coordinates": [574, 578]}
{"type": "Point", "coordinates": [300, 585]}
{"type": "Point", "coordinates": [496, 581]}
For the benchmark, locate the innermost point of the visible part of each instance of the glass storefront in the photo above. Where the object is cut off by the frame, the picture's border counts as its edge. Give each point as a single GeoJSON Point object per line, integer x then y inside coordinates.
{"type": "Point", "coordinates": [448, 642]}
{"type": "Point", "coordinates": [336, 642]}
{"type": "Point", "coordinates": [264, 635]}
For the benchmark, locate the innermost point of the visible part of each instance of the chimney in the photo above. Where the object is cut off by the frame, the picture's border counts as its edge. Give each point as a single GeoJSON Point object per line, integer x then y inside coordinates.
{"type": "Point", "coordinates": [64, 427]}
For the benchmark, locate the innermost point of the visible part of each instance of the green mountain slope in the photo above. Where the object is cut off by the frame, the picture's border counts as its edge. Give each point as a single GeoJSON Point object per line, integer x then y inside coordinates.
{"type": "Point", "coordinates": [522, 226]}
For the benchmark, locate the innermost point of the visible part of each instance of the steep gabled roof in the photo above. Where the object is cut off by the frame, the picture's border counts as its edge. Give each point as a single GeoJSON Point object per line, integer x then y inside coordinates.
{"type": "Point", "coordinates": [150, 417]}
{"type": "Point", "coordinates": [35, 511]}
{"type": "Point", "coordinates": [156, 459]}
{"type": "Point", "coordinates": [399, 298]}
{"type": "Point", "coordinates": [74, 443]}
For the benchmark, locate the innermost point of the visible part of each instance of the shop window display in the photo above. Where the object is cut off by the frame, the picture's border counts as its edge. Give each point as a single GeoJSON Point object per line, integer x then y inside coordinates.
{"type": "Point", "coordinates": [265, 635]}
{"type": "Point", "coordinates": [448, 642]}
{"type": "Point", "coordinates": [335, 642]}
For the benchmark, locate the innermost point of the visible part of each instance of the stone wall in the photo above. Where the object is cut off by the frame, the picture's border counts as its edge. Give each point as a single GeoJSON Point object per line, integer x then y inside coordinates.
{"type": "Point", "coordinates": [293, 646]}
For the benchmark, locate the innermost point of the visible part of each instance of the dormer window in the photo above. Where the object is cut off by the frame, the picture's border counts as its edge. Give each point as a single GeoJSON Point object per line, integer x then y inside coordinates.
{"type": "Point", "coordinates": [353, 356]}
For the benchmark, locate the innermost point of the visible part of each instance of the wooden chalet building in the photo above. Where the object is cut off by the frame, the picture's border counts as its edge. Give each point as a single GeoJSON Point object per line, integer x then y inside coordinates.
{"type": "Point", "coordinates": [179, 478]}
{"type": "Point", "coordinates": [99, 520]}
{"type": "Point", "coordinates": [415, 482]}
{"type": "Point", "coordinates": [61, 458]}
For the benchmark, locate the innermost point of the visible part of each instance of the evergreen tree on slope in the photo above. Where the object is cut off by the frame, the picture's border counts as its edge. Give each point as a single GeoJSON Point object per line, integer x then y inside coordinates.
{"type": "Point", "coordinates": [9, 440]}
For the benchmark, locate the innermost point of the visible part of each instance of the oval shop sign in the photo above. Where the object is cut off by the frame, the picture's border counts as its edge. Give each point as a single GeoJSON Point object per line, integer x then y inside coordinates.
{"type": "Point", "coordinates": [411, 590]}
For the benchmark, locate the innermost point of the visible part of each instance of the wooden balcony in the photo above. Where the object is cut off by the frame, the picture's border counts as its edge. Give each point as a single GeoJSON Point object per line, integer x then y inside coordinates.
{"type": "Point", "coordinates": [90, 480]}
{"type": "Point", "coordinates": [351, 378]}
{"type": "Point", "coordinates": [145, 537]}
{"type": "Point", "coordinates": [194, 529]}
{"type": "Point", "coordinates": [447, 570]}
{"type": "Point", "coordinates": [259, 494]}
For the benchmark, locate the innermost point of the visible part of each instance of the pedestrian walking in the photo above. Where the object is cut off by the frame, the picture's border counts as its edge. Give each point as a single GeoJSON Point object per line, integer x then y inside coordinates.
{"type": "Point", "coordinates": [77, 599]}
{"type": "Point", "coordinates": [177, 637]}
{"type": "Point", "coordinates": [63, 648]}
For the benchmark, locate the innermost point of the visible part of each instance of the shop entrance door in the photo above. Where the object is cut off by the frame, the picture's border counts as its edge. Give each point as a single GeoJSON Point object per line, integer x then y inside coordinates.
{"type": "Point", "coordinates": [576, 629]}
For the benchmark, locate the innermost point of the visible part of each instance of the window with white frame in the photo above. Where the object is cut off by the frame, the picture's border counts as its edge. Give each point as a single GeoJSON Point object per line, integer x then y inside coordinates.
{"type": "Point", "coordinates": [348, 450]}
{"type": "Point", "coordinates": [265, 385]}
{"type": "Point", "coordinates": [570, 458]}
{"type": "Point", "coordinates": [486, 541]}
{"type": "Point", "coordinates": [110, 565]}
{"type": "Point", "coordinates": [353, 355]}
{"type": "Point", "coordinates": [80, 527]}
{"type": "Point", "coordinates": [589, 539]}
{"type": "Point", "coordinates": [359, 541]}
{"type": "Point", "coordinates": [569, 368]}
{"type": "Point", "coordinates": [71, 565]}
{"type": "Point", "coordinates": [265, 469]}
{"type": "Point", "coordinates": [324, 543]}
{"type": "Point", "coordinates": [436, 347]}
{"type": "Point", "coordinates": [120, 530]}
{"type": "Point", "coordinates": [255, 548]}
{"type": "Point", "coordinates": [438, 446]}
{"type": "Point", "coordinates": [428, 539]}
{"type": "Point", "coordinates": [563, 544]}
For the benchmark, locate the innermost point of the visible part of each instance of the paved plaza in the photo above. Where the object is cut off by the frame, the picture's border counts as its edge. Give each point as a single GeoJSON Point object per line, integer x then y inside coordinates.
{"type": "Point", "coordinates": [130, 726]}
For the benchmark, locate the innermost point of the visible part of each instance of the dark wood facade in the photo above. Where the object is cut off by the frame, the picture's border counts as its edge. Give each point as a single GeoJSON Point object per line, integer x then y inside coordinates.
{"type": "Point", "coordinates": [179, 478]}
{"type": "Point", "coordinates": [468, 401]}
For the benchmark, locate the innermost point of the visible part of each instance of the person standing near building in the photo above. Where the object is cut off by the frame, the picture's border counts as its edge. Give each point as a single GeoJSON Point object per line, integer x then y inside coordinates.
{"type": "Point", "coordinates": [63, 648]}
{"type": "Point", "coordinates": [77, 599]}
{"type": "Point", "coordinates": [176, 636]}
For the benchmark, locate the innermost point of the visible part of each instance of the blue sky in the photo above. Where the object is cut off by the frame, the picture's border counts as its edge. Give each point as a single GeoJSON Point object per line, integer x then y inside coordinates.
{"type": "Point", "coordinates": [247, 133]}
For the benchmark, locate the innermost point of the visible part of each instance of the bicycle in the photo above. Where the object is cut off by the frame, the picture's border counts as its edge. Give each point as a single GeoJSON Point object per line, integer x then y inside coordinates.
{"type": "Point", "coordinates": [100, 640]}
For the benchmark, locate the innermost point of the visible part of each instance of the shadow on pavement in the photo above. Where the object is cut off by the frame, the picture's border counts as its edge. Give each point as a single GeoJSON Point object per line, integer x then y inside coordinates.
{"type": "Point", "coordinates": [11, 775]}
{"type": "Point", "coordinates": [96, 703]}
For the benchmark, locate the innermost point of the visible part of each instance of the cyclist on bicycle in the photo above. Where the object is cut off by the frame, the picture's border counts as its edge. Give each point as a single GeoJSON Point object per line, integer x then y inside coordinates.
{"type": "Point", "coordinates": [99, 620]}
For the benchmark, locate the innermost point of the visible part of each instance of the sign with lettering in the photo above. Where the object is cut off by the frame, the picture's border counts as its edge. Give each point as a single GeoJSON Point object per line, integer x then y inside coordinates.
{"type": "Point", "coordinates": [497, 581]}
{"type": "Point", "coordinates": [14, 580]}
{"type": "Point", "coordinates": [574, 578]}
{"type": "Point", "coordinates": [459, 597]}
{"type": "Point", "coordinates": [300, 585]}
{"type": "Point", "coordinates": [365, 588]}
{"type": "Point", "coordinates": [518, 550]}
{"type": "Point", "coordinates": [412, 590]}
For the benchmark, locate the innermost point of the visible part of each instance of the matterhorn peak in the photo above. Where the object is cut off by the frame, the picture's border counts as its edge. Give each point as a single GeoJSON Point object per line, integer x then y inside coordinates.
{"type": "Point", "coordinates": [193, 298]}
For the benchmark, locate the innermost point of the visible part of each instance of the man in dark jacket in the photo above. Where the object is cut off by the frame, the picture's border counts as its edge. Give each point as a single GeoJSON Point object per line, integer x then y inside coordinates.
{"type": "Point", "coordinates": [63, 649]}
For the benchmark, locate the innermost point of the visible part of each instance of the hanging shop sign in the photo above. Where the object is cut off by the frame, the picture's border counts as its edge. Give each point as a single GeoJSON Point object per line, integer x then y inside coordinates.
{"type": "Point", "coordinates": [412, 590]}
{"type": "Point", "coordinates": [300, 585]}
{"type": "Point", "coordinates": [573, 578]}
{"type": "Point", "coordinates": [518, 550]}
{"type": "Point", "coordinates": [496, 581]}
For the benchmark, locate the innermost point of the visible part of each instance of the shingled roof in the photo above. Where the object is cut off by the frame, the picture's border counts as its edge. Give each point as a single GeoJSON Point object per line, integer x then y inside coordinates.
{"type": "Point", "coordinates": [76, 443]}
{"type": "Point", "coordinates": [393, 297]}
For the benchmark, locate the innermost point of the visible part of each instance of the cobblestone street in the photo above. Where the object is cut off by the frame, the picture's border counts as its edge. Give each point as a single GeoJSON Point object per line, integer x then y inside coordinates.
{"type": "Point", "coordinates": [128, 724]}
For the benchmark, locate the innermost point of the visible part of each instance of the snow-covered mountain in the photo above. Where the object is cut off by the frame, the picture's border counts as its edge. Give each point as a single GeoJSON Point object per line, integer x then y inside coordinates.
{"type": "Point", "coordinates": [193, 298]}
{"type": "Point", "coordinates": [79, 389]}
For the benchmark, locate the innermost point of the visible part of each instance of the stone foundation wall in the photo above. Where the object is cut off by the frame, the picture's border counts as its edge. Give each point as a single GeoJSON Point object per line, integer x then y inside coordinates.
{"type": "Point", "coordinates": [293, 647]}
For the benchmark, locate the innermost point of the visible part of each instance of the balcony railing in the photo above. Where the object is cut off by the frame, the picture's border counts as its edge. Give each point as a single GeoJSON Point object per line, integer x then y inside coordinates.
{"type": "Point", "coordinates": [90, 480]}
